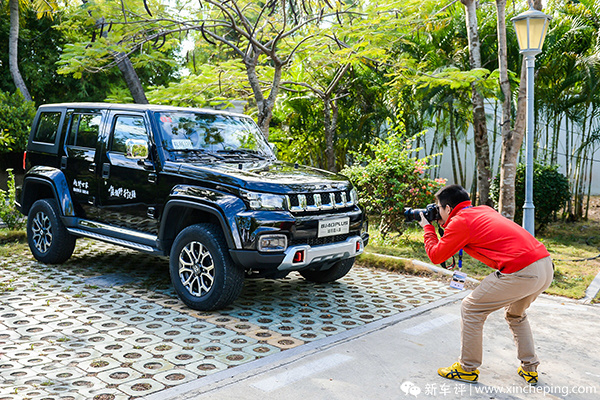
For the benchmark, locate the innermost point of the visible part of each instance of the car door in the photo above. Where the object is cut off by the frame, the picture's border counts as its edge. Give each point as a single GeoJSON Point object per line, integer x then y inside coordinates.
{"type": "Point", "coordinates": [79, 162]}
{"type": "Point", "coordinates": [127, 188]}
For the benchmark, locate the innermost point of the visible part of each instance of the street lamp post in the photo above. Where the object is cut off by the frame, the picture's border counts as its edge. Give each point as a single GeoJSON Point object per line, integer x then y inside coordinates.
{"type": "Point", "coordinates": [531, 27]}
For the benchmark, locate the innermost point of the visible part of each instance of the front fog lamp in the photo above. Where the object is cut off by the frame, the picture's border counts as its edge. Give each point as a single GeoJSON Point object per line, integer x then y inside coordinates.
{"type": "Point", "coordinates": [265, 201]}
{"type": "Point", "coordinates": [272, 243]}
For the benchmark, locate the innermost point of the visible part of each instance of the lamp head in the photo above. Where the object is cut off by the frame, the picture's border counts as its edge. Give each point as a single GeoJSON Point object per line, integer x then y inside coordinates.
{"type": "Point", "coordinates": [531, 27]}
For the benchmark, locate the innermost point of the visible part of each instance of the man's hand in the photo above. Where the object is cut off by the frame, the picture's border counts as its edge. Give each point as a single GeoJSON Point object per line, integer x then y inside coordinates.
{"type": "Point", "coordinates": [423, 222]}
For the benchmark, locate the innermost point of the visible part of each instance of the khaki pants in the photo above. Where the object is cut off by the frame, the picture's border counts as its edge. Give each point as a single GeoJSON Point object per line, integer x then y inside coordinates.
{"type": "Point", "coordinates": [515, 292]}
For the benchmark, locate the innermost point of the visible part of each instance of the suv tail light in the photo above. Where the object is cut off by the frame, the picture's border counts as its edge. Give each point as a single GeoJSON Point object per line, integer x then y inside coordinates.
{"type": "Point", "coordinates": [24, 158]}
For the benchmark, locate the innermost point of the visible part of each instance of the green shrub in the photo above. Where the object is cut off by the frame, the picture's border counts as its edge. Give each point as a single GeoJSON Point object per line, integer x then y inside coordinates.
{"type": "Point", "coordinates": [550, 192]}
{"type": "Point", "coordinates": [16, 115]}
{"type": "Point", "coordinates": [8, 212]}
{"type": "Point", "coordinates": [390, 179]}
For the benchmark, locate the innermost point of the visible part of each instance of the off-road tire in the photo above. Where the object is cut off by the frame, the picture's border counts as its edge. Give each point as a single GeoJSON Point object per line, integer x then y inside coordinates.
{"type": "Point", "coordinates": [48, 239]}
{"type": "Point", "coordinates": [201, 269]}
{"type": "Point", "coordinates": [337, 271]}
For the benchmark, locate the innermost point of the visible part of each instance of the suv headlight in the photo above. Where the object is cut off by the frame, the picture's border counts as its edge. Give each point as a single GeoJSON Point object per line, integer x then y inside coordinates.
{"type": "Point", "coordinates": [354, 196]}
{"type": "Point", "coordinates": [266, 201]}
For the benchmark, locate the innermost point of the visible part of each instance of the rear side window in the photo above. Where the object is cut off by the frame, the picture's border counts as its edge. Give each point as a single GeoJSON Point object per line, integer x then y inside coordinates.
{"type": "Point", "coordinates": [84, 129]}
{"type": "Point", "coordinates": [47, 127]}
{"type": "Point", "coordinates": [128, 129]}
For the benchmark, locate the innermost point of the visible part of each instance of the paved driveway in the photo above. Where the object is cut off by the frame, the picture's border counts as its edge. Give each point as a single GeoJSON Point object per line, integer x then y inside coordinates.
{"type": "Point", "coordinates": [107, 325]}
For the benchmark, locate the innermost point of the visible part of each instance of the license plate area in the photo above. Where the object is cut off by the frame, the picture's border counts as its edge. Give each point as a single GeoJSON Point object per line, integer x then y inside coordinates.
{"type": "Point", "coordinates": [334, 226]}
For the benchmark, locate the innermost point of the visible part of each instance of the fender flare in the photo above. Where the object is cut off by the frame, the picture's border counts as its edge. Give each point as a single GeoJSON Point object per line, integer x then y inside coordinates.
{"type": "Point", "coordinates": [53, 178]}
{"type": "Point", "coordinates": [228, 225]}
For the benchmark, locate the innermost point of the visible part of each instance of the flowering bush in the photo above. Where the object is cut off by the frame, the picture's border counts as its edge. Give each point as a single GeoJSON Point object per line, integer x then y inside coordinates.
{"type": "Point", "coordinates": [550, 193]}
{"type": "Point", "coordinates": [392, 178]}
{"type": "Point", "coordinates": [8, 212]}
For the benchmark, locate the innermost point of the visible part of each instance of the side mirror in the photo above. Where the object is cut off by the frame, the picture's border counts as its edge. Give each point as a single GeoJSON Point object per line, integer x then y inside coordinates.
{"type": "Point", "coordinates": [137, 149]}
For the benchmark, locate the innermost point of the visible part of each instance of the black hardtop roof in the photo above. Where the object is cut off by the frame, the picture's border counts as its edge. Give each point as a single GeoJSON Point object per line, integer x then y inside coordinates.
{"type": "Point", "coordinates": [140, 107]}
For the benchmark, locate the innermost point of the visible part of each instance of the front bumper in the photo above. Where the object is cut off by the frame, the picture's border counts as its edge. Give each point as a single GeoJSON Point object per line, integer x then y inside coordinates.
{"type": "Point", "coordinates": [321, 254]}
{"type": "Point", "coordinates": [284, 262]}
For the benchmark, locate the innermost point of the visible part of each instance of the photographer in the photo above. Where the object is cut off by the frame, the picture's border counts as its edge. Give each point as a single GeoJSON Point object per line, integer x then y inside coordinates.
{"type": "Point", "coordinates": [523, 271]}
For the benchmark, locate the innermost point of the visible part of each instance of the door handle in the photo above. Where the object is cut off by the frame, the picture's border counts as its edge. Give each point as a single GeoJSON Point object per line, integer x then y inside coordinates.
{"type": "Point", "coordinates": [105, 170]}
{"type": "Point", "coordinates": [152, 177]}
{"type": "Point", "coordinates": [63, 162]}
{"type": "Point", "coordinates": [92, 167]}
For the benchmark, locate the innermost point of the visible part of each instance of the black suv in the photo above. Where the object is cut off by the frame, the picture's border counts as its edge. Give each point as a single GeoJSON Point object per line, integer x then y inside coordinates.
{"type": "Point", "coordinates": [200, 186]}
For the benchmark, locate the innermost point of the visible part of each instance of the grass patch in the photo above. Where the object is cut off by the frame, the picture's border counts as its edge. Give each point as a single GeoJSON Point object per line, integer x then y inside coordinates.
{"type": "Point", "coordinates": [395, 265]}
{"type": "Point", "coordinates": [13, 242]}
{"type": "Point", "coordinates": [566, 243]}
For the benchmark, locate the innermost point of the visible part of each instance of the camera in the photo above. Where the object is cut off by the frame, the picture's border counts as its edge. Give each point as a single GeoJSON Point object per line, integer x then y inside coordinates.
{"type": "Point", "coordinates": [431, 213]}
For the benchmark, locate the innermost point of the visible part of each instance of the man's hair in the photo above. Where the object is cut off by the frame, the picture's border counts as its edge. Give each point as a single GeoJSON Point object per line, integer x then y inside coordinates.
{"type": "Point", "coordinates": [451, 195]}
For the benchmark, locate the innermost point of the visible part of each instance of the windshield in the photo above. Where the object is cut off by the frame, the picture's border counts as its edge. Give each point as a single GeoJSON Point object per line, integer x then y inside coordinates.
{"type": "Point", "coordinates": [189, 132]}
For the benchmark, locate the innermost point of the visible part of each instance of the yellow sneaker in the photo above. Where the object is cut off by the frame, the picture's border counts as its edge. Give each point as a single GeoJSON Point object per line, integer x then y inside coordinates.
{"type": "Point", "coordinates": [457, 373]}
{"type": "Point", "coordinates": [530, 377]}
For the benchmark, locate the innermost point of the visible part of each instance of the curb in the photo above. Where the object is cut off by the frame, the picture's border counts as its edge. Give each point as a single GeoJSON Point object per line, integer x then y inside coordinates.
{"type": "Point", "coordinates": [430, 267]}
{"type": "Point", "coordinates": [592, 291]}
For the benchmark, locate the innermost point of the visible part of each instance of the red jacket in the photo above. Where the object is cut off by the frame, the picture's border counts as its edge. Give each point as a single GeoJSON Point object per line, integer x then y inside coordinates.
{"type": "Point", "coordinates": [485, 235]}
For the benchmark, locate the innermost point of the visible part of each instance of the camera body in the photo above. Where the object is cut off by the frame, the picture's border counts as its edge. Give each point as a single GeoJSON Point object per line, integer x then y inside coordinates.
{"type": "Point", "coordinates": [431, 213]}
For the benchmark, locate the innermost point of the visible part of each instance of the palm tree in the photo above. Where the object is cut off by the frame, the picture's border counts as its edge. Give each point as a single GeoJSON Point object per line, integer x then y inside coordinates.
{"type": "Point", "coordinates": [13, 43]}
{"type": "Point", "coordinates": [42, 7]}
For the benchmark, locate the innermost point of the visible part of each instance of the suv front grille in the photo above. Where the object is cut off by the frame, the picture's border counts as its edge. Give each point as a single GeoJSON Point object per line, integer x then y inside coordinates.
{"type": "Point", "coordinates": [323, 240]}
{"type": "Point", "coordinates": [320, 201]}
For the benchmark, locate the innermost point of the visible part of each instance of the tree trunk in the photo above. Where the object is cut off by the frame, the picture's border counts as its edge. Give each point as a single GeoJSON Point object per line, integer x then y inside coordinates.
{"type": "Point", "coordinates": [13, 52]}
{"type": "Point", "coordinates": [131, 78]}
{"type": "Point", "coordinates": [330, 116]}
{"type": "Point", "coordinates": [482, 148]}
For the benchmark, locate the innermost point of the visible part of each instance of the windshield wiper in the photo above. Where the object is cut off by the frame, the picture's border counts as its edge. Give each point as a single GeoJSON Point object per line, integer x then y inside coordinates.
{"type": "Point", "coordinates": [198, 152]}
{"type": "Point", "coordinates": [248, 152]}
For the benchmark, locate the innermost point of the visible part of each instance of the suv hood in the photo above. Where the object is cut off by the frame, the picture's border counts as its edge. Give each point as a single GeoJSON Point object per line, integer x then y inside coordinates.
{"type": "Point", "coordinates": [263, 176]}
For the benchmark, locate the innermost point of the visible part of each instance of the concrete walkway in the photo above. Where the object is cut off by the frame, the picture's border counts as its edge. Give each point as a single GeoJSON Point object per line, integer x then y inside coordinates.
{"type": "Point", "coordinates": [397, 358]}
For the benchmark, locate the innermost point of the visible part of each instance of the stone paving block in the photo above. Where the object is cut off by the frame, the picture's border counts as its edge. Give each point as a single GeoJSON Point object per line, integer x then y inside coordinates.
{"type": "Point", "coordinates": [152, 366]}
{"type": "Point", "coordinates": [180, 320]}
{"type": "Point", "coordinates": [198, 326]}
{"type": "Point", "coordinates": [160, 349]}
{"type": "Point", "coordinates": [80, 384]}
{"type": "Point", "coordinates": [122, 312]}
{"type": "Point", "coordinates": [172, 332]}
{"type": "Point", "coordinates": [50, 316]}
{"type": "Point", "coordinates": [175, 377]}
{"type": "Point", "coordinates": [238, 341]}
{"type": "Point", "coordinates": [80, 331]}
{"type": "Point", "coordinates": [259, 350]}
{"type": "Point", "coordinates": [63, 374]}
{"type": "Point", "coordinates": [99, 364]}
{"type": "Point", "coordinates": [143, 340]}
{"type": "Point", "coordinates": [72, 343]}
{"type": "Point", "coordinates": [117, 376]}
{"type": "Point", "coordinates": [183, 357]}
{"type": "Point", "coordinates": [206, 367]}
{"type": "Point", "coordinates": [308, 336]}
{"type": "Point", "coordinates": [218, 333]}
{"type": "Point", "coordinates": [241, 327]}
{"type": "Point", "coordinates": [126, 333]}
{"type": "Point", "coordinates": [192, 340]}
{"type": "Point", "coordinates": [141, 387]}
{"type": "Point", "coordinates": [109, 325]}
{"type": "Point", "coordinates": [135, 318]}
{"type": "Point", "coordinates": [263, 334]}
{"type": "Point", "coordinates": [132, 355]}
